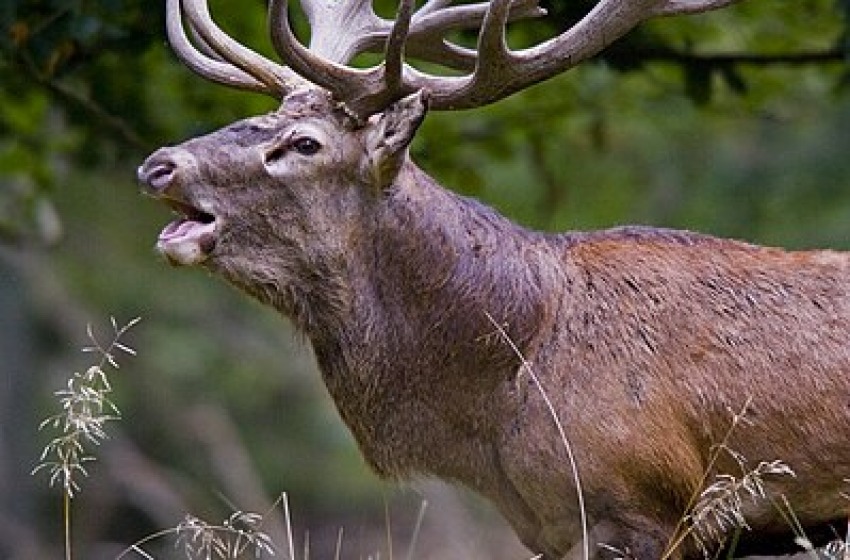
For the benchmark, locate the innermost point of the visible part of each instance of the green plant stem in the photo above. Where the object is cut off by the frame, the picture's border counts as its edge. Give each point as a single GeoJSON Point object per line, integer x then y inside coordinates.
{"type": "Point", "coordinates": [734, 544]}
{"type": "Point", "coordinates": [66, 520]}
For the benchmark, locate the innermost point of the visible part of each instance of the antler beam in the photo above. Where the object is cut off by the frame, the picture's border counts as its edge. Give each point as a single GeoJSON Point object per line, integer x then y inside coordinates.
{"type": "Point", "coordinates": [501, 72]}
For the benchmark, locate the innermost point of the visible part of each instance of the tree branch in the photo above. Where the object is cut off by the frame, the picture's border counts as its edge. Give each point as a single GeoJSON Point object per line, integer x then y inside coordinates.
{"type": "Point", "coordinates": [112, 122]}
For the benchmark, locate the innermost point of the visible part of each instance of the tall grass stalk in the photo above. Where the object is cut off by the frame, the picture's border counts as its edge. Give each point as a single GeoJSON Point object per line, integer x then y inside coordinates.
{"type": "Point", "coordinates": [417, 528]}
{"type": "Point", "coordinates": [526, 365]}
{"type": "Point", "coordinates": [85, 409]}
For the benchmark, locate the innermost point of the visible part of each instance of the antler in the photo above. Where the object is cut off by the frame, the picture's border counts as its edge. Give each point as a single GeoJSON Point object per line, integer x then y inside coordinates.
{"type": "Point", "coordinates": [218, 57]}
{"type": "Point", "coordinates": [342, 29]}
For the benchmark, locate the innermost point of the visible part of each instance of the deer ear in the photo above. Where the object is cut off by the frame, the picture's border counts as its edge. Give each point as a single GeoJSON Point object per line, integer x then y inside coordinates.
{"type": "Point", "coordinates": [390, 133]}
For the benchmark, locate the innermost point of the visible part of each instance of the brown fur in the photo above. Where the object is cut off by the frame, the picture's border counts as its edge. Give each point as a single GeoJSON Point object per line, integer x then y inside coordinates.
{"type": "Point", "coordinates": [646, 340]}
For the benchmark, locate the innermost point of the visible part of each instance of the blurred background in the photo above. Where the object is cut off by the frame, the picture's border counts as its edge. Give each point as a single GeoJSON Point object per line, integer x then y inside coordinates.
{"type": "Point", "coordinates": [735, 123]}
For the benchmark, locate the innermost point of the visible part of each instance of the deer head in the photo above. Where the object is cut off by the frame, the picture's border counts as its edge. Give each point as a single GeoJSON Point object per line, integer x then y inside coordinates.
{"type": "Point", "coordinates": [341, 134]}
{"type": "Point", "coordinates": [276, 203]}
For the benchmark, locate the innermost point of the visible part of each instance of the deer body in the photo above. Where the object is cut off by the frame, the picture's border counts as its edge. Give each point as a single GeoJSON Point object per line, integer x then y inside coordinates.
{"type": "Point", "coordinates": [646, 341]}
{"type": "Point", "coordinates": [423, 308]}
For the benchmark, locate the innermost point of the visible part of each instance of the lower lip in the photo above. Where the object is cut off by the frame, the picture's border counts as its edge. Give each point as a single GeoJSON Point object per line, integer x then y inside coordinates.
{"type": "Point", "coordinates": [186, 242]}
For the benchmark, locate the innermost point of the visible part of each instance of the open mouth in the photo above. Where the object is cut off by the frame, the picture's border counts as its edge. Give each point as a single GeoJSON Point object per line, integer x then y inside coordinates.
{"type": "Point", "coordinates": [189, 239]}
{"type": "Point", "coordinates": [188, 211]}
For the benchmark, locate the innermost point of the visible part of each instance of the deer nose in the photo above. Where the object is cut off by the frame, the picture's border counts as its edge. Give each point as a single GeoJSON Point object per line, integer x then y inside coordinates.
{"type": "Point", "coordinates": [157, 175]}
{"type": "Point", "coordinates": [161, 170]}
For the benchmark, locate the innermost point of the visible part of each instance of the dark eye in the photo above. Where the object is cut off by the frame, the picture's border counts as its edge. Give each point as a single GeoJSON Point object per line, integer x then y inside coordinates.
{"type": "Point", "coordinates": [306, 146]}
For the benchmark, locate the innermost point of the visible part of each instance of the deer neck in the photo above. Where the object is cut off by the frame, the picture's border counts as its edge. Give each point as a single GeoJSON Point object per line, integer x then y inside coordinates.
{"type": "Point", "coordinates": [419, 352]}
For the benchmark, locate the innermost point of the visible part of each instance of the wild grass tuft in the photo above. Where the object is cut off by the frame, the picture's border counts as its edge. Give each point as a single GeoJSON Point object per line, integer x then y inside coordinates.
{"type": "Point", "coordinates": [85, 409]}
{"type": "Point", "coordinates": [719, 511]}
{"type": "Point", "coordinates": [240, 535]}
{"type": "Point", "coordinates": [240, 532]}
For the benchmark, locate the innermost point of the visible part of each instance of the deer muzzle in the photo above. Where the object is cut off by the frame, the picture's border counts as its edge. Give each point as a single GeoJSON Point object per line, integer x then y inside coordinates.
{"type": "Point", "coordinates": [191, 238]}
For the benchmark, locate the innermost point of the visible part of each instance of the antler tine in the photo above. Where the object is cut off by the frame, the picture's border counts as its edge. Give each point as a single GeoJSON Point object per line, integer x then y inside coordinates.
{"type": "Point", "coordinates": [673, 7]}
{"type": "Point", "coordinates": [493, 54]}
{"type": "Point", "coordinates": [340, 30]}
{"type": "Point", "coordinates": [442, 52]}
{"type": "Point", "coordinates": [433, 6]}
{"type": "Point", "coordinates": [392, 71]}
{"type": "Point", "coordinates": [427, 34]}
{"type": "Point", "coordinates": [202, 45]}
{"type": "Point", "coordinates": [467, 16]}
{"type": "Point", "coordinates": [324, 72]}
{"type": "Point", "coordinates": [275, 79]}
{"type": "Point", "coordinates": [394, 58]}
{"type": "Point", "coordinates": [492, 65]}
{"type": "Point", "coordinates": [366, 32]}
{"type": "Point", "coordinates": [193, 39]}
{"type": "Point", "coordinates": [200, 61]}
{"type": "Point", "coordinates": [363, 91]}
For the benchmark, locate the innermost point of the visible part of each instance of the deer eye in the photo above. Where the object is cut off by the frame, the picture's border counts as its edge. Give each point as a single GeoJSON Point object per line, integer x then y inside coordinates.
{"type": "Point", "coordinates": [306, 146]}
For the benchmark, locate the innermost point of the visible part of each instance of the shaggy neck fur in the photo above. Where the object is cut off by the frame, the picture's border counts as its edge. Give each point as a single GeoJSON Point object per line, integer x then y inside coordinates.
{"type": "Point", "coordinates": [432, 267]}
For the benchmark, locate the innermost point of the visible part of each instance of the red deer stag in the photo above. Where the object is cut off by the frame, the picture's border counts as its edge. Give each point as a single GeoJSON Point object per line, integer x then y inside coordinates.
{"type": "Point", "coordinates": [422, 306]}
